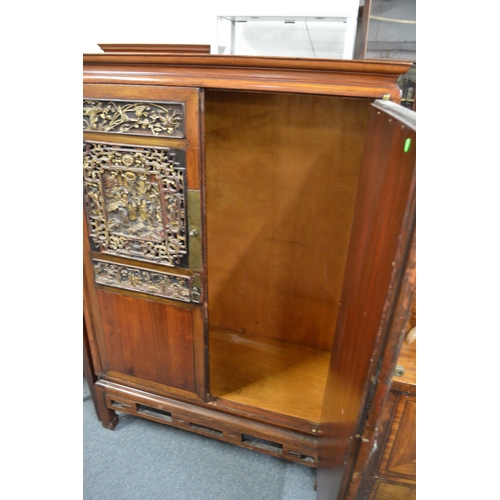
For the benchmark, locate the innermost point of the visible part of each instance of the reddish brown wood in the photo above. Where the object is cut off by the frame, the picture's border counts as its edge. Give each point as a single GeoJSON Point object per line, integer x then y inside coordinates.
{"type": "Point", "coordinates": [129, 375]}
{"type": "Point", "coordinates": [407, 359]}
{"type": "Point", "coordinates": [88, 368]}
{"type": "Point", "coordinates": [258, 414]}
{"type": "Point", "coordinates": [386, 490]}
{"type": "Point", "coordinates": [399, 458]}
{"type": "Point", "coordinates": [174, 330]}
{"type": "Point", "coordinates": [188, 96]}
{"type": "Point", "coordinates": [154, 48]}
{"type": "Point", "coordinates": [200, 346]}
{"type": "Point", "coordinates": [312, 76]}
{"type": "Point", "coordinates": [277, 377]}
{"type": "Point", "coordinates": [146, 92]}
{"type": "Point", "coordinates": [91, 310]}
{"type": "Point", "coordinates": [148, 340]}
{"type": "Point", "coordinates": [235, 61]}
{"type": "Point", "coordinates": [93, 344]}
{"type": "Point", "coordinates": [193, 135]}
{"type": "Point", "coordinates": [382, 422]}
{"type": "Point", "coordinates": [394, 460]}
{"type": "Point", "coordinates": [212, 421]}
{"type": "Point", "coordinates": [109, 418]}
{"type": "Point", "coordinates": [375, 271]}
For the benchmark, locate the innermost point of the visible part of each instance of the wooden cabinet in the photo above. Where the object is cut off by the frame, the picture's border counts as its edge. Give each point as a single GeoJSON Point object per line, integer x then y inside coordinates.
{"type": "Point", "coordinates": [141, 169]}
{"type": "Point", "coordinates": [396, 471]}
{"type": "Point", "coordinates": [399, 455]}
{"type": "Point", "coordinates": [248, 234]}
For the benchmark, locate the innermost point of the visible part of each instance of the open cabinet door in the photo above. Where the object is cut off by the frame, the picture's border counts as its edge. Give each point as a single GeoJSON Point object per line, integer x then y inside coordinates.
{"type": "Point", "coordinates": [377, 293]}
{"type": "Point", "coordinates": [143, 258]}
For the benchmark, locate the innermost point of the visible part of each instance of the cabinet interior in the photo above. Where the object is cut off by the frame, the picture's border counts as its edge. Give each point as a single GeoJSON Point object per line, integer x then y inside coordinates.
{"type": "Point", "coordinates": [281, 179]}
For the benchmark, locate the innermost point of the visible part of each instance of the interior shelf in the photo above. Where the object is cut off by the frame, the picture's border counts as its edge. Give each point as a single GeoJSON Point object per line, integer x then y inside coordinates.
{"type": "Point", "coordinates": [273, 375]}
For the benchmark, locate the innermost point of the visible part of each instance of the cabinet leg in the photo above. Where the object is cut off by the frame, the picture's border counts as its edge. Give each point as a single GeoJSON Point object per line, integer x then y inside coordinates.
{"type": "Point", "coordinates": [109, 419]}
{"type": "Point", "coordinates": [88, 369]}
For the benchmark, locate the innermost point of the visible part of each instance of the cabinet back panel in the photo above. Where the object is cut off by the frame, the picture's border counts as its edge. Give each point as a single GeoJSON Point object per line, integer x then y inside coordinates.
{"type": "Point", "coordinates": [149, 340]}
{"type": "Point", "coordinates": [282, 173]}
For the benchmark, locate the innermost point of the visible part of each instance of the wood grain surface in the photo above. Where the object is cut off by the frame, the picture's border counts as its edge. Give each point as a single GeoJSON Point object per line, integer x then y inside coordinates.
{"type": "Point", "coordinates": [408, 360]}
{"type": "Point", "coordinates": [399, 457]}
{"type": "Point", "coordinates": [380, 264]}
{"type": "Point", "coordinates": [276, 376]}
{"type": "Point", "coordinates": [282, 173]}
{"type": "Point", "coordinates": [341, 77]}
{"type": "Point", "coordinates": [386, 490]}
{"type": "Point", "coordinates": [149, 340]}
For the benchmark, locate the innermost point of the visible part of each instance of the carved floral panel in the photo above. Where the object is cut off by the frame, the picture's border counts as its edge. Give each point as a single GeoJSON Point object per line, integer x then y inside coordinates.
{"type": "Point", "coordinates": [136, 202]}
{"type": "Point", "coordinates": [136, 118]}
{"type": "Point", "coordinates": [133, 278]}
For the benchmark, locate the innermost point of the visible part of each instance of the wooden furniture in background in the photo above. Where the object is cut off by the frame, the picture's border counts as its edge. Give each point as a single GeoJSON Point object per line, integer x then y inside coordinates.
{"type": "Point", "coordinates": [155, 48]}
{"type": "Point", "coordinates": [386, 30]}
{"type": "Point", "coordinates": [388, 470]}
{"type": "Point", "coordinates": [248, 236]}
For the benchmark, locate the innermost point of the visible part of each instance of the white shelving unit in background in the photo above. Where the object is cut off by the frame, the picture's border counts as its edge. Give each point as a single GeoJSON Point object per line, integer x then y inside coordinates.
{"type": "Point", "coordinates": [317, 37]}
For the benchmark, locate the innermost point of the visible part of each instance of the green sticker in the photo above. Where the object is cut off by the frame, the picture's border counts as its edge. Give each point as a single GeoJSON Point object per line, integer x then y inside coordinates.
{"type": "Point", "coordinates": [407, 145]}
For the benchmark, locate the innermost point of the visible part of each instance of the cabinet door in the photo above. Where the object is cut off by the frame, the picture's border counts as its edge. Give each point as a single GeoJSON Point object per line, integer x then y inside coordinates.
{"type": "Point", "coordinates": [143, 231]}
{"type": "Point", "coordinates": [373, 305]}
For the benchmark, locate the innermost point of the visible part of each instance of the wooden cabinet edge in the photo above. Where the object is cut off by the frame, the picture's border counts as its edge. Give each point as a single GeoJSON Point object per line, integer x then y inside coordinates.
{"type": "Point", "coordinates": [328, 77]}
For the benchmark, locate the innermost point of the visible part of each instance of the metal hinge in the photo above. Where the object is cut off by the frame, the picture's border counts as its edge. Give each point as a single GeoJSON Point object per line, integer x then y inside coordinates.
{"type": "Point", "coordinates": [196, 289]}
{"type": "Point", "coordinates": [194, 230]}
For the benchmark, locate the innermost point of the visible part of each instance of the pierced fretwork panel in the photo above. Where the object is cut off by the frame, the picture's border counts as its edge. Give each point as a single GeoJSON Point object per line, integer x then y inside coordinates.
{"type": "Point", "coordinates": [134, 118]}
{"type": "Point", "coordinates": [136, 202]}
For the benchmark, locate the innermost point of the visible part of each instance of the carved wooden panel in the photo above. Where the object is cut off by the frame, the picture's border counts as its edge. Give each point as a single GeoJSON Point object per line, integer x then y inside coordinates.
{"type": "Point", "coordinates": [136, 202]}
{"type": "Point", "coordinates": [135, 118]}
{"type": "Point", "coordinates": [160, 284]}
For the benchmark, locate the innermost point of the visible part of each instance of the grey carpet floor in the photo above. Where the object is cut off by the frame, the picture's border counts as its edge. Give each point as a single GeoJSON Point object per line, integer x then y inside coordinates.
{"type": "Point", "coordinates": [145, 460]}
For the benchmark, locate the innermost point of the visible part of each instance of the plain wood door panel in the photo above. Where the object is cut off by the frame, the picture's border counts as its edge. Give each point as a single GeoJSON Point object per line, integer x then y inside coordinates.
{"type": "Point", "coordinates": [383, 230]}
{"type": "Point", "coordinates": [149, 340]}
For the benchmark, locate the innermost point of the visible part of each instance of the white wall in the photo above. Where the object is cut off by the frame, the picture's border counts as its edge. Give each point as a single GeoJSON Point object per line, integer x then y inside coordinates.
{"type": "Point", "coordinates": [194, 21]}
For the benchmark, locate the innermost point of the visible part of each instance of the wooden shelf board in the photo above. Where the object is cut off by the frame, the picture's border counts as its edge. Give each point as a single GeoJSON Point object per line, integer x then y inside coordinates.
{"type": "Point", "coordinates": [272, 375]}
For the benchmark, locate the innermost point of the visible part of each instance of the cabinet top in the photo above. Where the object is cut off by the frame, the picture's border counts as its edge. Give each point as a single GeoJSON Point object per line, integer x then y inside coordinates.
{"type": "Point", "coordinates": [352, 78]}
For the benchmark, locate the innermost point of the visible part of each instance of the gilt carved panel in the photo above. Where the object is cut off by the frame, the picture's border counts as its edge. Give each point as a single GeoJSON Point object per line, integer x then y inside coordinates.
{"type": "Point", "coordinates": [136, 202]}
{"type": "Point", "coordinates": [134, 118]}
{"type": "Point", "coordinates": [141, 280]}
